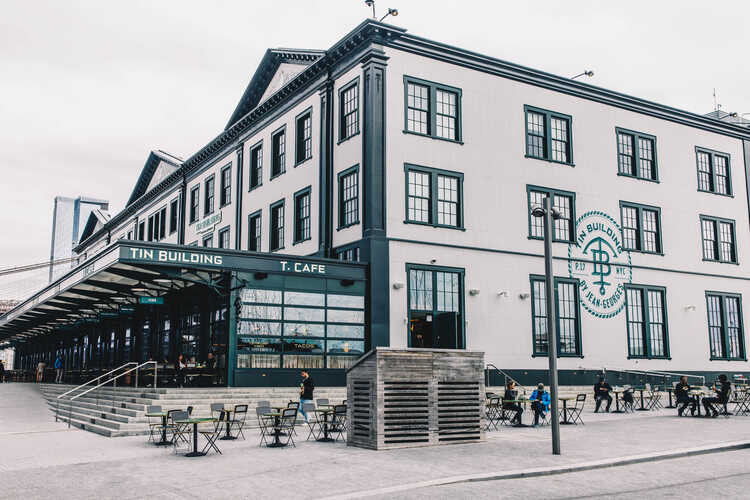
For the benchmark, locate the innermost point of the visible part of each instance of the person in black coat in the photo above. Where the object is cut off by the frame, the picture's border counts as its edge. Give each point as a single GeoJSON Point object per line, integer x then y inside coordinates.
{"type": "Point", "coordinates": [179, 370]}
{"type": "Point", "coordinates": [511, 394]}
{"type": "Point", "coordinates": [601, 393]}
{"type": "Point", "coordinates": [722, 389]}
{"type": "Point", "coordinates": [682, 393]}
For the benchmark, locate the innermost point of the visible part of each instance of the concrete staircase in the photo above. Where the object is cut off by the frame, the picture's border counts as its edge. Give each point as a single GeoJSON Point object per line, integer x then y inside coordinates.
{"type": "Point", "coordinates": [121, 412]}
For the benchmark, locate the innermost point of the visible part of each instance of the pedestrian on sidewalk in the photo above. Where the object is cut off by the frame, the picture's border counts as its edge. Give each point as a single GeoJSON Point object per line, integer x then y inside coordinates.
{"type": "Point", "coordinates": [2, 372]}
{"type": "Point", "coordinates": [540, 402]}
{"type": "Point", "coordinates": [40, 371]}
{"type": "Point", "coordinates": [58, 369]}
{"type": "Point", "coordinates": [601, 393]}
{"type": "Point", "coordinates": [306, 389]}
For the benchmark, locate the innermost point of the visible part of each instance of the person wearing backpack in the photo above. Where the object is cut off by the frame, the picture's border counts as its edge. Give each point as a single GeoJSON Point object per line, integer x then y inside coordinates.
{"type": "Point", "coordinates": [58, 369]}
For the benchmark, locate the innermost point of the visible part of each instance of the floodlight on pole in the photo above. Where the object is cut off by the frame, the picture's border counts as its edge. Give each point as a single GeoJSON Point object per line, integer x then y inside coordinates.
{"type": "Point", "coordinates": [588, 73]}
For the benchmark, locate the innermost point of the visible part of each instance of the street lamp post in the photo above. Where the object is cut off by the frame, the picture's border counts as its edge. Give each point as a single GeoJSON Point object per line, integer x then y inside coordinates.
{"type": "Point", "coordinates": [549, 215]}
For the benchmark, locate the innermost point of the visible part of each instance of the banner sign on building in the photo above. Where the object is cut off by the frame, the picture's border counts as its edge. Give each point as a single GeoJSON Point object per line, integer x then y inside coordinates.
{"type": "Point", "coordinates": [208, 223]}
{"type": "Point", "coordinates": [601, 265]}
{"type": "Point", "coordinates": [151, 300]}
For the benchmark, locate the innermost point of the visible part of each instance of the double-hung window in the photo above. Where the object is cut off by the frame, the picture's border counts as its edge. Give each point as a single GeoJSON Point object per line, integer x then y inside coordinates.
{"type": "Point", "coordinates": [224, 238]}
{"type": "Point", "coordinates": [349, 197]}
{"type": "Point", "coordinates": [725, 329]}
{"type": "Point", "coordinates": [302, 215]}
{"type": "Point", "coordinates": [208, 241]}
{"type": "Point", "coordinates": [225, 193]}
{"type": "Point", "coordinates": [256, 166]}
{"type": "Point", "coordinates": [254, 232]}
{"type": "Point", "coordinates": [563, 202]}
{"type": "Point", "coordinates": [434, 197]}
{"type": "Point", "coordinates": [713, 172]}
{"type": "Point", "coordinates": [432, 109]}
{"type": "Point", "coordinates": [719, 243]}
{"type": "Point", "coordinates": [303, 147]}
{"type": "Point", "coordinates": [567, 316]}
{"type": "Point", "coordinates": [636, 155]}
{"type": "Point", "coordinates": [641, 227]}
{"type": "Point", "coordinates": [277, 226]}
{"type": "Point", "coordinates": [350, 254]}
{"type": "Point", "coordinates": [208, 199]}
{"type": "Point", "coordinates": [349, 110]}
{"type": "Point", "coordinates": [647, 321]}
{"type": "Point", "coordinates": [548, 135]}
{"type": "Point", "coordinates": [278, 152]}
{"type": "Point", "coordinates": [174, 211]}
{"type": "Point", "coordinates": [194, 203]}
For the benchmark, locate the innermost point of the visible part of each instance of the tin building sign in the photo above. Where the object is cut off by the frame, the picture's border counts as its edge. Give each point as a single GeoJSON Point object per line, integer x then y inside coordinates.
{"type": "Point", "coordinates": [601, 265]}
{"type": "Point", "coordinates": [208, 223]}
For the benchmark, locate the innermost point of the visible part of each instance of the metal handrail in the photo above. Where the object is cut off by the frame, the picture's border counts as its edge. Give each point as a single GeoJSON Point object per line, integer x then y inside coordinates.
{"type": "Point", "coordinates": [114, 382]}
{"type": "Point", "coordinates": [487, 377]}
{"type": "Point", "coordinates": [97, 378]}
{"type": "Point", "coordinates": [656, 372]}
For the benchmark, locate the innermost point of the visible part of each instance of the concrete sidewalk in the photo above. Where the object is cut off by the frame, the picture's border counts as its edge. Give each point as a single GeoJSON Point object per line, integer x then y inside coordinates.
{"type": "Point", "coordinates": [39, 458]}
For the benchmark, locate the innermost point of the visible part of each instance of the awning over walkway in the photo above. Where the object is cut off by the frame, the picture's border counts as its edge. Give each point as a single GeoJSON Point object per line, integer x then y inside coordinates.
{"type": "Point", "coordinates": [128, 273]}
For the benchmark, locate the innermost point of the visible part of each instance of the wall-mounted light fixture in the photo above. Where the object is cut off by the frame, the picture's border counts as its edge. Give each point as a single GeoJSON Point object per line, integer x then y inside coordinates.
{"type": "Point", "coordinates": [690, 308]}
{"type": "Point", "coordinates": [398, 285]}
{"type": "Point", "coordinates": [474, 291]}
{"type": "Point", "coordinates": [502, 294]}
{"type": "Point", "coordinates": [433, 261]}
{"type": "Point", "coordinates": [523, 296]}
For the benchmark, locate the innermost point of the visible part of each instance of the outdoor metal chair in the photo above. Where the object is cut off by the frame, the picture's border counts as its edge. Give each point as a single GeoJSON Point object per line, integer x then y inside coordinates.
{"type": "Point", "coordinates": [172, 426]}
{"type": "Point", "coordinates": [287, 423]}
{"type": "Point", "coordinates": [314, 424]}
{"type": "Point", "coordinates": [575, 411]}
{"type": "Point", "coordinates": [154, 423]}
{"type": "Point", "coordinates": [213, 434]}
{"type": "Point", "coordinates": [263, 404]}
{"type": "Point", "coordinates": [337, 425]}
{"type": "Point", "coordinates": [492, 413]}
{"type": "Point", "coordinates": [265, 421]}
{"type": "Point", "coordinates": [238, 420]}
{"type": "Point", "coordinates": [321, 402]}
{"type": "Point", "coordinates": [628, 399]}
{"type": "Point", "coordinates": [181, 432]}
{"type": "Point", "coordinates": [216, 408]}
{"type": "Point", "coordinates": [293, 404]}
{"type": "Point", "coordinates": [741, 402]}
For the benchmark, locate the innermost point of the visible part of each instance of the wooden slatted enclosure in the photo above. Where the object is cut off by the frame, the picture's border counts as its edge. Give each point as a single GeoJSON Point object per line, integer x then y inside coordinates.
{"type": "Point", "coordinates": [415, 397]}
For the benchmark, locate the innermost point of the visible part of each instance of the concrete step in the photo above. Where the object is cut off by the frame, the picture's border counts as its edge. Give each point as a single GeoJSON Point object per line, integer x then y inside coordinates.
{"type": "Point", "coordinates": [85, 424]}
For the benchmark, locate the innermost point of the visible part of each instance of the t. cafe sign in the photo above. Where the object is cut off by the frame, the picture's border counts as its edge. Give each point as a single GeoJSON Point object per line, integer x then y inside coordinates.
{"type": "Point", "coordinates": [302, 267]}
{"type": "Point", "coordinates": [601, 265]}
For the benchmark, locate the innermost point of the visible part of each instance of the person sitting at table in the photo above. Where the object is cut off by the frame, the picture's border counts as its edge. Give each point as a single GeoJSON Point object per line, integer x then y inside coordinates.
{"type": "Point", "coordinates": [601, 392]}
{"type": "Point", "coordinates": [509, 402]}
{"type": "Point", "coordinates": [540, 402]}
{"type": "Point", "coordinates": [179, 370]}
{"type": "Point", "coordinates": [211, 368]}
{"type": "Point", "coordinates": [682, 393]}
{"type": "Point", "coordinates": [722, 396]}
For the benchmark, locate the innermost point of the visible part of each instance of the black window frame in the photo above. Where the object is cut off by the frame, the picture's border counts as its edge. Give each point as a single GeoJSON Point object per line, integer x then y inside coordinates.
{"type": "Point", "coordinates": [302, 233]}
{"type": "Point", "coordinates": [547, 150]}
{"type": "Point", "coordinates": [157, 224]}
{"type": "Point", "coordinates": [278, 154]}
{"type": "Point", "coordinates": [225, 185]}
{"type": "Point", "coordinates": [255, 170]}
{"type": "Point", "coordinates": [348, 253]}
{"type": "Point", "coordinates": [301, 142]}
{"type": "Point", "coordinates": [343, 114]}
{"type": "Point", "coordinates": [174, 215]}
{"type": "Point", "coordinates": [579, 336]}
{"type": "Point", "coordinates": [717, 221]}
{"type": "Point", "coordinates": [434, 173]}
{"type": "Point", "coordinates": [645, 310]}
{"type": "Point", "coordinates": [432, 89]}
{"type": "Point", "coordinates": [722, 296]}
{"type": "Point", "coordinates": [640, 208]}
{"type": "Point", "coordinates": [208, 238]}
{"type": "Point", "coordinates": [252, 234]}
{"type": "Point", "coordinates": [274, 229]}
{"type": "Point", "coordinates": [209, 198]}
{"type": "Point", "coordinates": [351, 172]}
{"type": "Point", "coordinates": [553, 193]}
{"type": "Point", "coordinates": [195, 203]}
{"type": "Point", "coordinates": [224, 231]}
{"type": "Point", "coordinates": [635, 155]}
{"type": "Point", "coordinates": [713, 176]}
{"type": "Point", "coordinates": [141, 230]}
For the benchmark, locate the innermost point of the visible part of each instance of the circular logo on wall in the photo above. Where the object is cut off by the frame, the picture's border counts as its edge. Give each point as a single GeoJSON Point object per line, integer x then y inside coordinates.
{"type": "Point", "coordinates": [598, 260]}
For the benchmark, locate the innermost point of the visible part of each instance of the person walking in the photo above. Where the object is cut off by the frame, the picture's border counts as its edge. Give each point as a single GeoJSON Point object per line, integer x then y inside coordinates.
{"type": "Point", "coordinates": [40, 371]}
{"type": "Point", "coordinates": [58, 369]}
{"type": "Point", "coordinates": [306, 389]}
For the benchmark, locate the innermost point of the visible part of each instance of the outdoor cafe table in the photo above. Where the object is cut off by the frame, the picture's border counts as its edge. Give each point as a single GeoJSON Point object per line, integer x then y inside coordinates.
{"type": "Point", "coordinates": [697, 394]}
{"type": "Point", "coordinates": [276, 432]}
{"type": "Point", "coordinates": [228, 436]}
{"type": "Point", "coordinates": [642, 408]}
{"type": "Point", "coordinates": [565, 400]}
{"type": "Point", "coordinates": [195, 422]}
{"type": "Point", "coordinates": [163, 416]}
{"type": "Point", "coordinates": [670, 390]}
{"type": "Point", "coordinates": [326, 438]}
{"type": "Point", "coordinates": [617, 393]}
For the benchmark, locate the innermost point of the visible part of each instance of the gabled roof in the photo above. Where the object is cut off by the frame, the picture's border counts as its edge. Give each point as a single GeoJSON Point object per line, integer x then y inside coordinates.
{"type": "Point", "coordinates": [97, 218]}
{"type": "Point", "coordinates": [265, 73]}
{"type": "Point", "coordinates": [149, 169]}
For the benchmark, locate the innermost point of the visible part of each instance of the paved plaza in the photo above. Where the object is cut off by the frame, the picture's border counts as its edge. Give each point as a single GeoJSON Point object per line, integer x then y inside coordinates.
{"type": "Point", "coordinates": [43, 459]}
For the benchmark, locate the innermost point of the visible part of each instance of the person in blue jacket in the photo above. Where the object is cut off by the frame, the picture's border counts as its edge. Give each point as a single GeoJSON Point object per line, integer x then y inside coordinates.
{"type": "Point", "coordinates": [540, 402]}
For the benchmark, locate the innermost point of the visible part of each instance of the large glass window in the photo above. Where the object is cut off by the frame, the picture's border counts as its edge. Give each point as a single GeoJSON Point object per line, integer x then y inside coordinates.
{"type": "Point", "coordinates": [349, 197]}
{"type": "Point", "coordinates": [718, 239]}
{"type": "Point", "coordinates": [349, 110]}
{"type": "Point", "coordinates": [636, 155]}
{"type": "Point", "coordinates": [725, 328]}
{"type": "Point", "coordinates": [713, 172]}
{"type": "Point", "coordinates": [434, 197]}
{"type": "Point", "coordinates": [646, 322]}
{"type": "Point", "coordinates": [563, 202]}
{"type": "Point", "coordinates": [432, 109]}
{"type": "Point", "coordinates": [641, 227]}
{"type": "Point", "coordinates": [435, 304]}
{"type": "Point", "coordinates": [548, 135]}
{"type": "Point", "coordinates": [301, 328]}
{"type": "Point", "coordinates": [567, 315]}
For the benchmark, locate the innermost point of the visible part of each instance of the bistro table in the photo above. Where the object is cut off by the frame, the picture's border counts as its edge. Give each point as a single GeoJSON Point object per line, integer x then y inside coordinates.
{"type": "Point", "coordinates": [565, 399]}
{"type": "Point", "coordinates": [163, 416]}
{"type": "Point", "coordinates": [642, 408]}
{"type": "Point", "coordinates": [697, 393]}
{"type": "Point", "coordinates": [195, 422]}
{"type": "Point", "coordinates": [228, 436]}
{"type": "Point", "coordinates": [617, 393]}
{"type": "Point", "coordinates": [326, 438]}
{"type": "Point", "coordinates": [276, 431]}
{"type": "Point", "coordinates": [670, 390]}
{"type": "Point", "coordinates": [280, 410]}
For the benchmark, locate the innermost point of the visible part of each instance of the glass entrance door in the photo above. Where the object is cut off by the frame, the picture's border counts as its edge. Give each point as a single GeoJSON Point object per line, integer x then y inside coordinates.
{"type": "Point", "coordinates": [435, 302]}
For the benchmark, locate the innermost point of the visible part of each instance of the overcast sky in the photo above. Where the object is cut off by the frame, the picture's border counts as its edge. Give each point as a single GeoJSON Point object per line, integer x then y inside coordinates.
{"type": "Point", "coordinates": [87, 88]}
